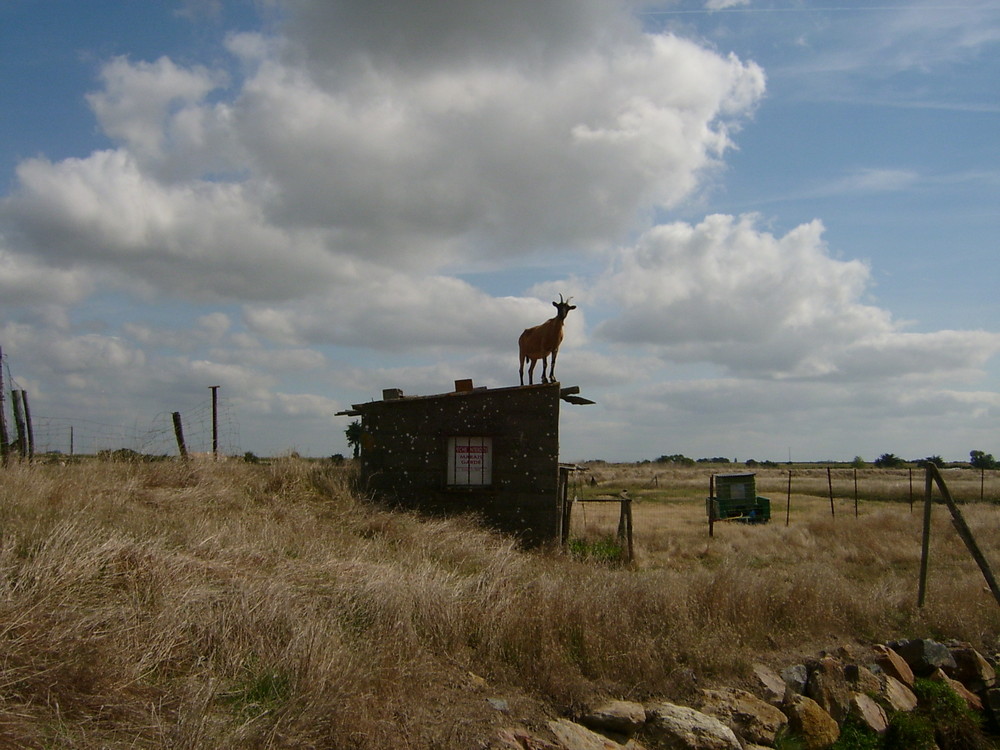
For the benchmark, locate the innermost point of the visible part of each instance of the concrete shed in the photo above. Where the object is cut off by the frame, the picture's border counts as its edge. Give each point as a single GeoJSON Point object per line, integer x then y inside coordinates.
{"type": "Point", "coordinates": [491, 452]}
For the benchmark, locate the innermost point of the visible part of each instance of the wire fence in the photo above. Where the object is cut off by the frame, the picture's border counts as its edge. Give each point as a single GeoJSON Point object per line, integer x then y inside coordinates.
{"type": "Point", "coordinates": [56, 435]}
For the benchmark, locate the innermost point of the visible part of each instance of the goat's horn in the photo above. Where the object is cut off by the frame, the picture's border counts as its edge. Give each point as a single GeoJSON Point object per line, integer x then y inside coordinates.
{"type": "Point", "coordinates": [561, 300]}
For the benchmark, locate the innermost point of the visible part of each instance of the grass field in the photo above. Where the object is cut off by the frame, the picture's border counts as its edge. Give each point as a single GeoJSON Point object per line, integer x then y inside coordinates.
{"type": "Point", "coordinates": [224, 605]}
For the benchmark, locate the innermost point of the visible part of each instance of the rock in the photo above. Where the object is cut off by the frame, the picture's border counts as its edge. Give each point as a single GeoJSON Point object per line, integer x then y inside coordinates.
{"type": "Point", "coordinates": [971, 668]}
{"type": "Point", "coordinates": [769, 684]}
{"type": "Point", "coordinates": [572, 736]}
{"type": "Point", "coordinates": [862, 680]}
{"type": "Point", "coordinates": [924, 655]}
{"type": "Point", "coordinates": [897, 695]}
{"type": "Point", "coordinates": [795, 678]}
{"type": "Point", "coordinates": [868, 712]}
{"type": "Point", "coordinates": [894, 665]}
{"type": "Point", "coordinates": [500, 704]}
{"type": "Point", "coordinates": [971, 699]}
{"type": "Point", "coordinates": [684, 728]}
{"type": "Point", "coordinates": [619, 717]}
{"type": "Point", "coordinates": [827, 685]}
{"type": "Point", "coordinates": [815, 726]}
{"type": "Point", "coordinates": [992, 703]}
{"type": "Point", "coordinates": [752, 719]}
{"type": "Point", "coordinates": [516, 738]}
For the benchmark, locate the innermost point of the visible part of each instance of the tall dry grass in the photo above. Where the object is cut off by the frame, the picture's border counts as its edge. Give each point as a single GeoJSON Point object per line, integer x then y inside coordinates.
{"type": "Point", "coordinates": [203, 605]}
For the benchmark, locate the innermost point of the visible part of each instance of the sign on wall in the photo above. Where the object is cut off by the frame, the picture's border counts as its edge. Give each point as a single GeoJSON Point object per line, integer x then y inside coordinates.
{"type": "Point", "coordinates": [470, 460]}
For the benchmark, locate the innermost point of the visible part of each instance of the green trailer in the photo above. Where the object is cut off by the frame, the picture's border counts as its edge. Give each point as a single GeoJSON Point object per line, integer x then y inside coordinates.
{"type": "Point", "coordinates": [733, 497]}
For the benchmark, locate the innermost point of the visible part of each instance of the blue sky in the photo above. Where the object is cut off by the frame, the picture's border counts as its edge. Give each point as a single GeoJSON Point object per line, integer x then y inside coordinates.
{"type": "Point", "coordinates": [778, 219]}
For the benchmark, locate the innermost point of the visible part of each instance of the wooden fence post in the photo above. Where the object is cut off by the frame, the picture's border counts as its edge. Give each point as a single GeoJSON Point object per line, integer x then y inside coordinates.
{"type": "Point", "coordinates": [925, 543]}
{"type": "Point", "coordinates": [22, 440]}
{"type": "Point", "coordinates": [4, 447]}
{"type": "Point", "coordinates": [30, 431]}
{"type": "Point", "coordinates": [711, 505]}
{"type": "Point", "coordinates": [788, 498]}
{"type": "Point", "coordinates": [911, 489]}
{"type": "Point", "coordinates": [958, 521]}
{"type": "Point", "coordinates": [179, 434]}
{"type": "Point", "coordinates": [829, 482]}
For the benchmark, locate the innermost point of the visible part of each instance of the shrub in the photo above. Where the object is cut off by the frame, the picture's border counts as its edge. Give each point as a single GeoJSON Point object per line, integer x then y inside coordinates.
{"type": "Point", "coordinates": [856, 736]}
{"type": "Point", "coordinates": [956, 726]}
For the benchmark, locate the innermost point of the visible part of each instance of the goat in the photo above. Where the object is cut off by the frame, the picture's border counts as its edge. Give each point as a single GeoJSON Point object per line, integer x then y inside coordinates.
{"type": "Point", "coordinates": [538, 342]}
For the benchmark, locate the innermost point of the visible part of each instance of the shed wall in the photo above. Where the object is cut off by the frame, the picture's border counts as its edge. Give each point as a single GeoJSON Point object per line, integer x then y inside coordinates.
{"type": "Point", "coordinates": [404, 456]}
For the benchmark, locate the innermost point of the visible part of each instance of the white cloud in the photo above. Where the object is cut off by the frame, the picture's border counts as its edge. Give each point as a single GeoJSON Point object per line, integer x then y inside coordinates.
{"type": "Point", "coordinates": [727, 293]}
{"type": "Point", "coordinates": [396, 312]}
{"type": "Point", "coordinates": [724, 4]}
{"type": "Point", "coordinates": [25, 281]}
{"type": "Point", "coordinates": [198, 239]}
{"type": "Point", "coordinates": [156, 110]}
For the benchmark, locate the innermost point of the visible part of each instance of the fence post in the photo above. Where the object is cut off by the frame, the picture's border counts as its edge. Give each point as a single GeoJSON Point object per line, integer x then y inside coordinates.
{"type": "Point", "coordinates": [179, 434]}
{"type": "Point", "coordinates": [4, 447]}
{"type": "Point", "coordinates": [925, 544]}
{"type": "Point", "coordinates": [711, 505]}
{"type": "Point", "coordinates": [22, 440]}
{"type": "Point", "coordinates": [829, 482]}
{"type": "Point", "coordinates": [215, 421]}
{"type": "Point", "coordinates": [958, 521]}
{"type": "Point", "coordinates": [788, 498]}
{"type": "Point", "coordinates": [30, 432]}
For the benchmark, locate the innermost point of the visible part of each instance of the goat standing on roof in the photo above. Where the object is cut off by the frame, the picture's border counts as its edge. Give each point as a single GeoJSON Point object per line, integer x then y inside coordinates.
{"type": "Point", "coordinates": [539, 342]}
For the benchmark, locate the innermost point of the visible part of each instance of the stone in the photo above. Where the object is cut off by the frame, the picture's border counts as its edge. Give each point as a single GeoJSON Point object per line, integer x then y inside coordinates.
{"type": "Point", "coordinates": [827, 685]}
{"type": "Point", "coordinates": [685, 728]}
{"type": "Point", "coordinates": [517, 738]}
{"type": "Point", "coordinates": [991, 700]}
{"type": "Point", "coordinates": [572, 736]}
{"type": "Point", "coordinates": [971, 699]}
{"type": "Point", "coordinates": [894, 665]}
{"type": "Point", "coordinates": [620, 717]}
{"type": "Point", "coordinates": [809, 721]}
{"type": "Point", "coordinates": [795, 678]}
{"type": "Point", "coordinates": [971, 668]}
{"type": "Point", "coordinates": [868, 712]}
{"type": "Point", "coordinates": [897, 695]}
{"type": "Point", "coordinates": [769, 684]}
{"type": "Point", "coordinates": [924, 655]}
{"type": "Point", "coordinates": [862, 679]}
{"type": "Point", "coordinates": [752, 719]}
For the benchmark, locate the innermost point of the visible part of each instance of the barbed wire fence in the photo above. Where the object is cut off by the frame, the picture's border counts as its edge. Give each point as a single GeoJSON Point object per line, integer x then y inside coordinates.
{"type": "Point", "coordinates": [154, 437]}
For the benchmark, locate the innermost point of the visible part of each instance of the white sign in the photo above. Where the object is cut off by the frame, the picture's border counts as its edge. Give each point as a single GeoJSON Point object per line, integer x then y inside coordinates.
{"type": "Point", "coordinates": [470, 460]}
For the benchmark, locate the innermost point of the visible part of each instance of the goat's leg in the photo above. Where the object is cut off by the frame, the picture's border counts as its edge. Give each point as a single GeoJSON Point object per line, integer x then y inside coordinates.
{"type": "Point", "coordinates": [545, 362]}
{"type": "Point", "coordinates": [531, 372]}
{"type": "Point", "coordinates": [552, 370]}
{"type": "Point", "coordinates": [520, 369]}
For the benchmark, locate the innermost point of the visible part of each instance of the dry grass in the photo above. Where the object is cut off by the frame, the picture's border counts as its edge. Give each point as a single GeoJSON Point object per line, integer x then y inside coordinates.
{"type": "Point", "coordinates": [233, 605]}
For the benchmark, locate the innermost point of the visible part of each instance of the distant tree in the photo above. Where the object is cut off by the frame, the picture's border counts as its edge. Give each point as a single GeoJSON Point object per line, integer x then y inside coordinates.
{"type": "Point", "coordinates": [858, 462]}
{"type": "Point", "coordinates": [353, 433]}
{"type": "Point", "coordinates": [676, 458]}
{"type": "Point", "coordinates": [889, 461]}
{"type": "Point", "coordinates": [715, 460]}
{"type": "Point", "coordinates": [935, 460]}
{"type": "Point", "coordinates": [980, 460]}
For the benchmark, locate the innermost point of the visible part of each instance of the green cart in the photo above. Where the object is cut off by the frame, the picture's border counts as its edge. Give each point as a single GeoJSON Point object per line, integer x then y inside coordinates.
{"type": "Point", "coordinates": [733, 497]}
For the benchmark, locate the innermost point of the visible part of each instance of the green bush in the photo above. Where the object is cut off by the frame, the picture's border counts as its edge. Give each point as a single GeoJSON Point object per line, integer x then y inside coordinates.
{"type": "Point", "coordinates": [607, 549]}
{"type": "Point", "coordinates": [856, 736]}
{"type": "Point", "coordinates": [956, 726]}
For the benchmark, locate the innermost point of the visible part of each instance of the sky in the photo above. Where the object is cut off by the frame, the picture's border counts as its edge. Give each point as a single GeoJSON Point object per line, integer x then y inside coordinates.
{"type": "Point", "coordinates": [778, 219]}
